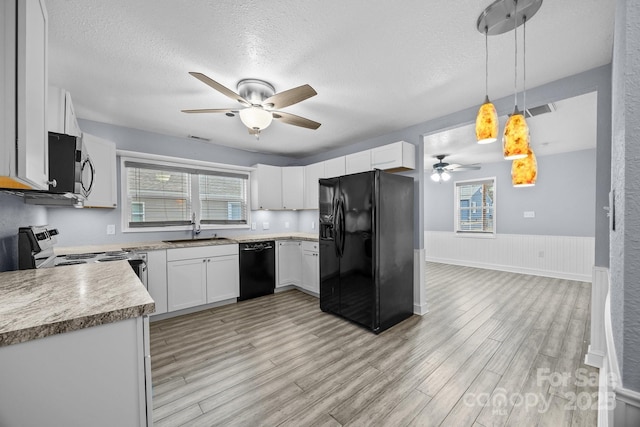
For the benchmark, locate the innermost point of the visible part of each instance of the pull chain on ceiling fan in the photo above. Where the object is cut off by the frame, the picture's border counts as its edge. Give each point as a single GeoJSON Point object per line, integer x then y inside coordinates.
{"type": "Point", "coordinates": [261, 103]}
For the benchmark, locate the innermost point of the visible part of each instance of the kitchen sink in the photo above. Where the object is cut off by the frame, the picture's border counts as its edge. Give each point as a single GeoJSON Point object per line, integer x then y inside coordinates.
{"type": "Point", "coordinates": [202, 239]}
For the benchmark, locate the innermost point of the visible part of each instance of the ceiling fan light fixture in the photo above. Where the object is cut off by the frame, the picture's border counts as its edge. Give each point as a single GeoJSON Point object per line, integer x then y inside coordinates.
{"type": "Point", "coordinates": [445, 176]}
{"type": "Point", "coordinates": [256, 118]}
{"type": "Point", "coordinates": [435, 176]}
{"type": "Point", "coordinates": [524, 172]}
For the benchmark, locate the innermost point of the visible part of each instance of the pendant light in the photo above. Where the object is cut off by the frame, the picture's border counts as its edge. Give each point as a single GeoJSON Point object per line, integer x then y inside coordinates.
{"type": "Point", "coordinates": [524, 171]}
{"type": "Point", "coordinates": [487, 118]}
{"type": "Point", "coordinates": [515, 141]}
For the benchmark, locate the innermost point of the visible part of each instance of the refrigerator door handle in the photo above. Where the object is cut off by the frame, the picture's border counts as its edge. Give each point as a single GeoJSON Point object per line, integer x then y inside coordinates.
{"type": "Point", "coordinates": [341, 226]}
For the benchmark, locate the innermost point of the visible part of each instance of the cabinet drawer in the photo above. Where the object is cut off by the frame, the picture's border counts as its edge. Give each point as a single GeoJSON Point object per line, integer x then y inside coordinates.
{"type": "Point", "coordinates": [201, 252]}
{"type": "Point", "coordinates": [310, 246]}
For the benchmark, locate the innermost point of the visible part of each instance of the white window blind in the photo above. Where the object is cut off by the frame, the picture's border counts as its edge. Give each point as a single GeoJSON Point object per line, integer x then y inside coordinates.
{"type": "Point", "coordinates": [223, 199]}
{"type": "Point", "coordinates": [475, 206]}
{"type": "Point", "coordinates": [159, 195]}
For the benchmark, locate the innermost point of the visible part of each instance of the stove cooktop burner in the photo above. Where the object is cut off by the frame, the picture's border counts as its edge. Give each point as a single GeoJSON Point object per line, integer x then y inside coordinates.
{"type": "Point", "coordinates": [116, 254]}
{"type": "Point", "coordinates": [78, 256]}
{"type": "Point", "coordinates": [70, 263]}
{"type": "Point", "coordinates": [113, 258]}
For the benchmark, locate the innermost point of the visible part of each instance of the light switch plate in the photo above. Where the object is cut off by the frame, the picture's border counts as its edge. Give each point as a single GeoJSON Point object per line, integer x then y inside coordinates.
{"type": "Point", "coordinates": [253, 226]}
{"type": "Point", "coordinates": [265, 225]}
{"type": "Point", "coordinates": [111, 229]}
{"type": "Point", "coordinates": [286, 224]}
{"type": "Point", "coordinates": [313, 225]}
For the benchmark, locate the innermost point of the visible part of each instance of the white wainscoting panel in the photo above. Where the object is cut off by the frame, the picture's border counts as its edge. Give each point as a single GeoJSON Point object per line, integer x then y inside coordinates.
{"type": "Point", "coordinates": [564, 257]}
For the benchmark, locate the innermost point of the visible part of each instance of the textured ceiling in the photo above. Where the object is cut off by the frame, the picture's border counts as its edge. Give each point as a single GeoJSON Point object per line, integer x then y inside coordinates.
{"type": "Point", "coordinates": [377, 66]}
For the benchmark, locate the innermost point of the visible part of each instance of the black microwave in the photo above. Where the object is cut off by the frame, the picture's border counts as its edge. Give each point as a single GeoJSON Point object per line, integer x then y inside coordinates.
{"type": "Point", "coordinates": [70, 168]}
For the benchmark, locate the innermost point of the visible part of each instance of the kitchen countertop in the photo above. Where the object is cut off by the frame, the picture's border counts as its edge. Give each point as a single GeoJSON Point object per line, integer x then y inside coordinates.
{"type": "Point", "coordinates": [42, 302]}
{"type": "Point", "coordinates": [159, 245]}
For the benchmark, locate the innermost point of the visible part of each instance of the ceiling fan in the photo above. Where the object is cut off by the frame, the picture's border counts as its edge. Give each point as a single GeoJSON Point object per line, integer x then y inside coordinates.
{"type": "Point", "coordinates": [442, 170]}
{"type": "Point", "coordinates": [261, 103]}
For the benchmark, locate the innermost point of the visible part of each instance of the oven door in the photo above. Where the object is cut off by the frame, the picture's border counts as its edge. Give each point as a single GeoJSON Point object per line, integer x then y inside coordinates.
{"type": "Point", "coordinates": [139, 265]}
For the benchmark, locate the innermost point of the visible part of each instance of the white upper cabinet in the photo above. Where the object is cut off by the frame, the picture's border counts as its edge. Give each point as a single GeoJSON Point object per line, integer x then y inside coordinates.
{"type": "Point", "coordinates": [358, 162]}
{"type": "Point", "coordinates": [395, 157]}
{"type": "Point", "coordinates": [61, 114]}
{"type": "Point", "coordinates": [293, 187]}
{"type": "Point", "coordinates": [334, 167]}
{"type": "Point", "coordinates": [99, 172]}
{"type": "Point", "coordinates": [266, 187]}
{"type": "Point", "coordinates": [312, 173]}
{"type": "Point", "coordinates": [23, 95]}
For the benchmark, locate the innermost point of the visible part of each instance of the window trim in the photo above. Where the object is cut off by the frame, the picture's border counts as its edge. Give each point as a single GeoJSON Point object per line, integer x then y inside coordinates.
{"type": "Point", "coordinates": [456, 210]}
{"type": "Point", "coordinates": [176, 162]}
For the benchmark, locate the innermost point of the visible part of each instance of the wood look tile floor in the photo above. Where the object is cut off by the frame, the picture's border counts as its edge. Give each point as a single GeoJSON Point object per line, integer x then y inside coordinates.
{"type": "Point", "coordinates": [495, 349]}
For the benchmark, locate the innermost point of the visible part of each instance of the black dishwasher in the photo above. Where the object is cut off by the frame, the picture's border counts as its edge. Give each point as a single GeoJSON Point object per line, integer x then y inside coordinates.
{"type": "Point", "coordinates": [257, 269]}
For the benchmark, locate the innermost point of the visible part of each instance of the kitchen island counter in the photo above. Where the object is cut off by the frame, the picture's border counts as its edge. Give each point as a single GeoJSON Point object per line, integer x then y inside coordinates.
{"type": "Point", "coordinates": [42, 302]}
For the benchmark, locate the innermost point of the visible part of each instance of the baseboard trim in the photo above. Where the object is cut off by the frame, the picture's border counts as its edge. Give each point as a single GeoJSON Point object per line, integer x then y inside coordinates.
{"type": "Point", "coordinates": [594, 358]}
{"type": "Point", "coordinates": [163, 316]}
{"type": "Point", "coordinates": [511, 269]}
{"type": "Point", "coordinates": [420, 310]}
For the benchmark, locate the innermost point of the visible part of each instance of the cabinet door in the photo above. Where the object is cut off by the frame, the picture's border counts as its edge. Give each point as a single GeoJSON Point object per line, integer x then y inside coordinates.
{"type": "Point", "coordinates": [157, 279]}
{"type": "Point", "coordinates": [394, 157]}
{"type": "Point", "coordinates": [312, 173]}
{"type": "Point", "coordinates": [358, 162]}
{"type": "Point", "coordinates": [310, 273]}
{"type": "Point", "coordinates": [293, 187]}
{"type": "Point", "coordinates": [102, 154]}
{"type": "Point", "coordinates": [186, 283]}
{"type": "Point", "coordinates": [289, 263]}
{"type": "Point", "coordinates": [32, 87]}
{"type": "Point", "coordinates": [334, 167]}
{"type": "Point", "coordinates": [266, 187]}
{"type": "Point", "coordinates": [70, 120]}
{"type": "Point", "coordinates": [223, 278]}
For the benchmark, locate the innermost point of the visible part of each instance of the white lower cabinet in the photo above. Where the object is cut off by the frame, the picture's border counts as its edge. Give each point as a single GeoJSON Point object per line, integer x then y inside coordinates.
{"type": "Point", "coordinates": [187, 280]}
{"type": "Point", "coordinates": [201, 275]}
{"type": "Point", "coordinates": [223, 278]}
{"type": "Point", "coordinates": [289, 262]}
{"type": "Point", "coordinates": [310, 267]}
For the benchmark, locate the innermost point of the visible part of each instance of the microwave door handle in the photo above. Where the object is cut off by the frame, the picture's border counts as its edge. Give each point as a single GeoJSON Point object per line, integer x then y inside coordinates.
{"type": "Point", "coordinates": [92, 170]}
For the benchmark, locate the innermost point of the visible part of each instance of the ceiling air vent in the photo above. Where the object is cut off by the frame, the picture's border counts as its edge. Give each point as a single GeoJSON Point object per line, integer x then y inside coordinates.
{"type": "Point", "coordinates": [540, 109]}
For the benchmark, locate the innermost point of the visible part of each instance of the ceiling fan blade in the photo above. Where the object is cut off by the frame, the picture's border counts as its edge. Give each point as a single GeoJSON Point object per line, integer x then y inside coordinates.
{"type": "Point", "coordinates": [292, 119]}
{"type": "Point", "coordinates": [222, 89]}
{"type": "Point", "coordinates": [289, 97]}
{"type": "Point", "coordinates": [459, 168]}
{"type": "Point", "coordinates": [211, 110]}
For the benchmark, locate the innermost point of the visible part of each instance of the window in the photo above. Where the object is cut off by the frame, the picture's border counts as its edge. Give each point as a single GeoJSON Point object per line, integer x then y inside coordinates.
{"type": "Point", "coordinates": [475, 206]}
{"type": "Point", "coordinates": [160, 195]}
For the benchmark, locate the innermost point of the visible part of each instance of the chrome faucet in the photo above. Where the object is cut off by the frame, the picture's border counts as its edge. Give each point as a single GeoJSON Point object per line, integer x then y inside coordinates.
{"type": "Point", "coordinates": [195, 226]}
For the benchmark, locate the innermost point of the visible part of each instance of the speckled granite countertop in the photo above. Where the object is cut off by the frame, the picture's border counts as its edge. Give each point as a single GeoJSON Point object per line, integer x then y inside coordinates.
{"type": "Point", "coordinates": [49, 301]}
{"type": "Point", "coordinates": [159, 245]}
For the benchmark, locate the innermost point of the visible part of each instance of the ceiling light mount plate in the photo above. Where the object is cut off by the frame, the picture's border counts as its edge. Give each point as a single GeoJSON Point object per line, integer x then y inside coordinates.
{"type": "Point", "coordinates": [255, 91]}
{"type": "Point", "coordinates": [498, 17]}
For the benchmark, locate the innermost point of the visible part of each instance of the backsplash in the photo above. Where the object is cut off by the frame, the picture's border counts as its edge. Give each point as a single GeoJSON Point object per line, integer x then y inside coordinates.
{"type": "Point", "coordinates": [14, 213]}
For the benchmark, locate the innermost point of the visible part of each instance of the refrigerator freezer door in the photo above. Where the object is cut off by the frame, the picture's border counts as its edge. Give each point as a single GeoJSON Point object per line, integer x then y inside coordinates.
{"type": "Point", "coordinates": [329, 193]}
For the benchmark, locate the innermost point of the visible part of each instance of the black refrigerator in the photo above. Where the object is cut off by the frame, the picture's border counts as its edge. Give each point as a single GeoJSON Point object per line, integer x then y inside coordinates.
{"type": "Point", "coordinates": [366, 248]}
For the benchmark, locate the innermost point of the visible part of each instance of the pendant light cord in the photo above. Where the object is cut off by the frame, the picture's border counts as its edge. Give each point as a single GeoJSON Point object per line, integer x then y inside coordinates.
{"type": "Point", "coordinates": [515, 78]}
{"type": "Point", "coordinates": [524, 64]}
{"type": "Point", "coordinates": [486, 61]}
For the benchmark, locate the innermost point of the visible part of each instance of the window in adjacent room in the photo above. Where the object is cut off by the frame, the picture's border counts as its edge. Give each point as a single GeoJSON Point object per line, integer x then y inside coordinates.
{"type": "Point", "coordinates": [475, 207]}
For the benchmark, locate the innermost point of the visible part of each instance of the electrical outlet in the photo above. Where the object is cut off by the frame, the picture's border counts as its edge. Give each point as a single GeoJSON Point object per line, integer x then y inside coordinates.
{"type": "Point", "coordinates": [111, 229]}
{"type": "Point", "coordinates": [265, 225]}
{"type": "Point", "coordinates": [529, 214]}
{"type": "Point", "coordinates": [253, 226]}
{"type": "Point", "coordinates": [313, 225]}
{"type": "Point", "coordinates": [286, 224]}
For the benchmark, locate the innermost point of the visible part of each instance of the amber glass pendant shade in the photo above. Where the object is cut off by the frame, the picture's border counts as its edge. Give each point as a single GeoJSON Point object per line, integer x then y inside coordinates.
{"type": "Point", "coordinates": [524, 171]}
{"type": "Point", "coordinates": [487, 123]}
{"type": "Point", "coordinates": [515, 141]}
